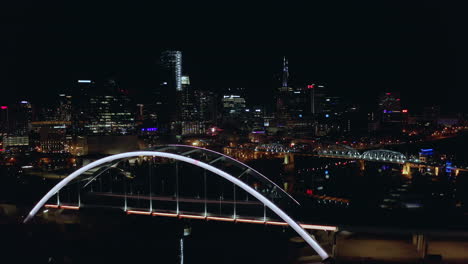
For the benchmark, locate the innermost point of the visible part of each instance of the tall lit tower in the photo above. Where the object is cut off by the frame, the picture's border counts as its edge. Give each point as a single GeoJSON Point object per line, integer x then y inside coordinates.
{"type": "Point", "coordinates": [171, 61]}
{"type": "Point", "coordinates": [285, 72]}
{"type": "Point", "coordinates": [283, 95]}
{"type": "Point", "coordinates": [169, 90]}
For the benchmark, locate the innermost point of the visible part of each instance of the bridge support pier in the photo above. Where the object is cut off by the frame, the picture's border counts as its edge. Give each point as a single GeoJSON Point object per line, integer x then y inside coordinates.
{"type": "Point", "coordinates": [421, 243]}
{"type": "Point", "coordinates": [362, 165]}
{"type": "Point", "coordinates": [406, 169]}
{"type": "Point", "coordinates": [334, 245]}
{"type": "Point", "coordinates": [289, 162]}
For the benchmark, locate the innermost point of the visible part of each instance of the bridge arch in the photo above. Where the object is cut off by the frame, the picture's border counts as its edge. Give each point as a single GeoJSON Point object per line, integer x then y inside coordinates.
{"type": "Point", "coordinates": [179, 157]}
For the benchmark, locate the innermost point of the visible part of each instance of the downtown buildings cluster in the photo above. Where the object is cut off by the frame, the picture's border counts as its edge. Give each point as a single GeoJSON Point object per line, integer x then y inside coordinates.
{"type": "Point", "coordinates": [93, 113]}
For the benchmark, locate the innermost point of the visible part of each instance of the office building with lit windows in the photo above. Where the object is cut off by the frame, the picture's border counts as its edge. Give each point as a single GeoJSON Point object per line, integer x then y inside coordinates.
{"type": "Point", "coordinates": [51, 136]}
{"type": "Point", "coordinates": [283, 96]}
{"type": "Point", "coordinates": [103, 109]}
{"type": "Point", "coordinates": [234, 103]}
{"type": "Point", "coordinates": [111, 112]}
{"type": "Point", "coordinates": [4, 119]}
{"type": "Point", "coordinates": [186, 102]}
{"type": "Point", "coordinates": [206, 105]}
{"type": "Point", "coordinates": [171, 60]}
{"type": "Point", "coordinates": [81, 93]}
{"type": "Point", "coordinates": [169, 92]}
{"type": "Point", "coordinates": [390, 107]}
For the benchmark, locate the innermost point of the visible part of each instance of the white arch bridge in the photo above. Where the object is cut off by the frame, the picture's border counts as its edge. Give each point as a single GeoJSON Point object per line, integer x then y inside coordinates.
{"type": "Point", "coordinates": [181, 179]}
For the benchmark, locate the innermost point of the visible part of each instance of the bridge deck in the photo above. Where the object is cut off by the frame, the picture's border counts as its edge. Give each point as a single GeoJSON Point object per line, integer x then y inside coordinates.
{"type": "Point", "coordinates": [206, 217]}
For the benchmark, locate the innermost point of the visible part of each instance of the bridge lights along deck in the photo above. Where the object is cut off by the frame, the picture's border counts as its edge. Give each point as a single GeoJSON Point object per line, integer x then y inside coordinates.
{"type": "Point", "coordinates": [207, 218]}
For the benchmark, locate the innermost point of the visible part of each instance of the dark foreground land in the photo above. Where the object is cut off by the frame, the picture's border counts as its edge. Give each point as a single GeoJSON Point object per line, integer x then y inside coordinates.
{"type": "Point", "coordinates": [109, 237]}
{"type": "Point", "coordinates": [139, 239]}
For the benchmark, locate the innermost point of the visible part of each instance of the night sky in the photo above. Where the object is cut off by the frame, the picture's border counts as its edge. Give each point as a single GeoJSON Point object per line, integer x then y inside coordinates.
{"type": "Point", "coordinates": [357, 50]}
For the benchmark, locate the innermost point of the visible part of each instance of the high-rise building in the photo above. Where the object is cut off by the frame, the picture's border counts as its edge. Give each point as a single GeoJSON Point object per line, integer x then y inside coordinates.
{"type": "Point", "coordinates": [315, 94]}
{"type": "Point", "coordinates": [168, 94]}
{"type": "Point", "coordinates": [234, 103]}
{"type": "Point", "coordinates": [332, 105]}
{"type": "Point", "coordinates": [171, 61]}
{"type": "Point", "coordinates": [60, 110]}
{"type": "Point", "coordinates": [101, 109]}
{"type": "Point", "coordinates": [390, 107]}
{"type": "Point", "coordinates": [304, 102]}
{"type": "Point", "coordinates": [16, 141]}
{"type": "Point", "coordinates": [17, 119]}
{"type": "Point", "coordinates": [192, 128]}
{"type": "Point", "coordinates": [186, 105]}
{"type": "Point", "coordinates": [23, 118]}
{"type": "Point", "coordinates": [4, 119]}
{"type": "Point", "coordinates": [256, 116]}
{"type": "Point", "coordinates": [285, 73]}
{"type": "Point", "coordinates": [431, 114]}
{"type": "Point", "coordinates": [111, 111]}
{"type": "Point", "coordinates": [64, 110]}
{"type": "Point", "coordinates": [51, 136]}
{"type": "Point", "coordinates": [390, 101]}
{"type": "Point", "coordinates": [283, 95]}
{"type": "Point", "coordinates": [81, 93]}
{"type": "Point", "coordinates": [206, 105]}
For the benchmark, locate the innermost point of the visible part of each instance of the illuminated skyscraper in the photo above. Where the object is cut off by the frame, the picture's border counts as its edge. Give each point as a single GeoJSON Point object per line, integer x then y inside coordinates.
{"type": "Point", "coordinates": [60, 110]}
{"type": "Point", "coordinates": [206, 105]}
{"type": "Point", "coordinates": [283, 95]}
{"type": "Point", "coordinates": [390, 101]}
{"type": "Point", "coordinates": [23, 118]}
{"type": "Point", "coordinates": [64, 110]}
{"type": "Point", "coordinates": [4, 119]}
{"type": "Point", "coordinates": [101, 110]}
{"type": "Point", "coordinates": [16, 119]}
{"type": "Point", "coordinates": [111, 111]}
{"type": "Point", "coordinates": [285, 72]}
{"type": "Point", "coordinates": [171, 60]}
{"type": "Point", "coordinates": [168, 94]}
{"type": "Point", "coordinates": [80, 95]}
{"type": "Point", "coordinates": [234, 103]}
{"type": "Point", "coordinates": [390, 107]}
{"type": "Point", "coordinates": [186, 105]}
{"type": "Point", "coordinates": [332, 105]}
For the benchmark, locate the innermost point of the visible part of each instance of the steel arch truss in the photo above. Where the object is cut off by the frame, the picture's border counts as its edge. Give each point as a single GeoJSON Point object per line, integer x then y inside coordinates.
{"type": "Point", "coordinates": [339, 150]}
{"type": "Point", "coordinates": [384, 155]}
{"type": "Point", "coordinates": [232, 166]}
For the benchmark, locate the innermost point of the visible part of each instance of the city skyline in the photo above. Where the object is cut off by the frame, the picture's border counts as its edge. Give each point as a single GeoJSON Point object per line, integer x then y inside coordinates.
{"type": "Point", "coordinates": [369, 102]}
{"type": "Point", "coordinates": [415, 51]}
{"type": "Point", "coordinates": [229, 133]}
